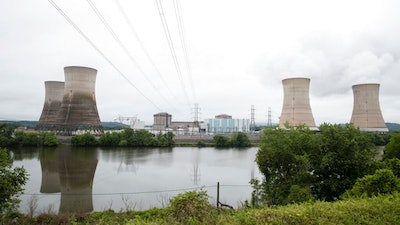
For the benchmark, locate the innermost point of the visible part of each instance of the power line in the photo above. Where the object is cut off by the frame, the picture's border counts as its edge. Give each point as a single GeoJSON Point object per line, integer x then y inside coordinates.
{"type": "Point", "coordinates": [181, 28]}
{"type": "Point", "coordinates": [130, 25]}
{"type": "Point", "coordinates": [171, 47]}
{"type": "Point", "coordinates": [100, 52]}
{"type": "Point", "coordinates": [148, 192]}
{"type": "Point", "coordinates": [115, 36]}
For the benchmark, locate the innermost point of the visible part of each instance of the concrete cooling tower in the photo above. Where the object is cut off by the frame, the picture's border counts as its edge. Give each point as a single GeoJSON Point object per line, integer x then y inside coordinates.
{"type": "Point", "coordinates": [296, 108]}
{"type": "Point", "coordinates": [367, 113]}
{"type": "Point", "coordinates": [78, 108]}
{"type": "Point", "coordinates": [53, 97]}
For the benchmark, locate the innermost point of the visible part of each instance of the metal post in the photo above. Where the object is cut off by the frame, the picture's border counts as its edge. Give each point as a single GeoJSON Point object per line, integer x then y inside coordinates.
{"type": "Point", "coordinates": [217, 194]}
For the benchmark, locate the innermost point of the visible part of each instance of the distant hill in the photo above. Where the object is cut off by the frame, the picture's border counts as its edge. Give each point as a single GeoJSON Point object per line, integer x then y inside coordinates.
{"type": "Point", "coordinates": [32, 124]}
{"type": "Point", "coordinates": [393, 127]}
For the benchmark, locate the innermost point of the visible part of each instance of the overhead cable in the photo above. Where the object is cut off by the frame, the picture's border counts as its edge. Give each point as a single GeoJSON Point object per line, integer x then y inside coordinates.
{"type": "Point", "coordinates": [130, 25]}
{"type": "Point", "coordinates": [127, 52]}
{"type": "Point", "coordinates": [100, 52]}
{"type": "Point", "coordinates": [171, 48]}
{"type": "Point", "coordinates": [181, 28]}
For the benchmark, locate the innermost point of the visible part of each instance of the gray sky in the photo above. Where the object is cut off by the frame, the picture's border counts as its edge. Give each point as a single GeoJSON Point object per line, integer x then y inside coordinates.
{"type": "Point", "coordinates": [238, 51]}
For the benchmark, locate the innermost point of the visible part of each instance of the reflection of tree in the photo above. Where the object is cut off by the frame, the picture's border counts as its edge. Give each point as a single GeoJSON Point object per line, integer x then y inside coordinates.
{"type": "Point", "coordinates": [70, 172]}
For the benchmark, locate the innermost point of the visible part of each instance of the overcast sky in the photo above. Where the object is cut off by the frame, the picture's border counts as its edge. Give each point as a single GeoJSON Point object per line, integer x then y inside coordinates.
{"type": "Point", "coordinates": [238, 53]}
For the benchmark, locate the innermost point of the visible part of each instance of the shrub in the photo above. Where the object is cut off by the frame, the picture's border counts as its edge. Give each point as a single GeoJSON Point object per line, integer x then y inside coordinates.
{"type": "Point", "coordinates": [222, 141]}
{"type": "Point", "coordinates": [11, 183]}
{"type": "Point", "coordinates": [192, 208]}
{"type": "Point", "coordinates": [240, 139]}
{"type": "Point", "coordinates": [383, 181]}
{"type": "Point", "coordinates": [85, 139]}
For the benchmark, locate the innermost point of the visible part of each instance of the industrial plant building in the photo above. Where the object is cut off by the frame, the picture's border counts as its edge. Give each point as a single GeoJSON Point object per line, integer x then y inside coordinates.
{"type": "Point", "coordinates": [367, 113]}
{"type": "Point", "coordinates": [70, 106]}
{"type": "Point", "coordinates": [226, 124]}
{"type": "Point", "coordinates": [296, 108]}
{"type": "Point", "coordinates": [163, 122]}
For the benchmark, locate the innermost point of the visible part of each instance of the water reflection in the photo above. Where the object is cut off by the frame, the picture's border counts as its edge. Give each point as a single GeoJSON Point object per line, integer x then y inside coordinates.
{"type": "Point", "coordinates": [95, 179]}
{"type": "Point", "coordinates": [71, 172]}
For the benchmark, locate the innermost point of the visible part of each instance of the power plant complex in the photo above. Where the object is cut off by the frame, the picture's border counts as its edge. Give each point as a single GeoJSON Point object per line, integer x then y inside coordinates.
{"type": "Point", "coordinates": [70, 107]}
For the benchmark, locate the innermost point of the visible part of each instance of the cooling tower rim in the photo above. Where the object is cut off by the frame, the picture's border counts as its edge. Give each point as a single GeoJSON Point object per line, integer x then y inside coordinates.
{"type": "Point", "coordinates": [366, 84]}
{"type": "Point", "coordinates": [79, 67]}
{"type": "Point", "coordinates": [296, 78]}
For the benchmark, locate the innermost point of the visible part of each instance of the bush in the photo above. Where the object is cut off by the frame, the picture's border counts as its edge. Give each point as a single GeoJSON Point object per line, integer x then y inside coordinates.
{"type": "Point", "coordinates": [222, 141]}
{"type": "Point", "coordinates": [392, 149]}
{"type": "Point", "coordinates": [383, 181]}
{"type": "Point", "coordinates": [192, 208]}
{"type": "Point", "coordinates": [11, 183]}
{"type": "Point", "coordinates": [85, 139]}
{"type": "Point", "coordinates": [240, 139]}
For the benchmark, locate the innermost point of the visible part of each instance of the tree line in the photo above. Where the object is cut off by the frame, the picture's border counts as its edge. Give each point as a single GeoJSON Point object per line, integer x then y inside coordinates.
{"type": "Point", "coordinates": [337, 162]}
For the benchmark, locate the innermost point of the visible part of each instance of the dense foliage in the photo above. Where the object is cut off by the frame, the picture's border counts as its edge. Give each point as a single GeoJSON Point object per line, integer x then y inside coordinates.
{"type": "Point", "coordinates": [11, 183]}
{"type": "Point", "coordinates": [369, 211]}
{"type": "Point", "coordinates": [128, 137]}
{"type": "Point", "coordinates": [238, 139]}
{"type": "Point", "coordinates": [9, 137]}
{"type": "Point", "coordinates": [299, 165]}
{"type": "Point", "coordinates": [392, 149]}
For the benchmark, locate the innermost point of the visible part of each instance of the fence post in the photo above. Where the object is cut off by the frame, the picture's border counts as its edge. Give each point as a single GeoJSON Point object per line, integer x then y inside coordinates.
{"type": "Point", "coordinates": [217, 195]}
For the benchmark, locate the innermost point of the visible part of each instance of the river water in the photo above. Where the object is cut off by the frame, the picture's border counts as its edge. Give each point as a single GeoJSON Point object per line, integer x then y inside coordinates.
{"type": "Point", "coordinates": [68, 179]}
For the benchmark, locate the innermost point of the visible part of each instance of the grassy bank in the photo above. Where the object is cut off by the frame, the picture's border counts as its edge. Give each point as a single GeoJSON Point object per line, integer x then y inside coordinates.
{"type": "Point", "coordinates": [377, 210]}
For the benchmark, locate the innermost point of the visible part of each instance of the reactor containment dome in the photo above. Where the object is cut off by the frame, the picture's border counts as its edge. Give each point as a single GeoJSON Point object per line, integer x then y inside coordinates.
{"type": "Point", "coordinates": [296, 108]}
{"type": "Point", "coordinates": [367, 113]}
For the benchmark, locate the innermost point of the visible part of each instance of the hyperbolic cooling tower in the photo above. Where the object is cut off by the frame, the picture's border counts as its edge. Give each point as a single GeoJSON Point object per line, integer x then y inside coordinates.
{"type": "Point", "coordinates": [78, 109]}
{"type": "Point", "coordinates": [296, 108]}
{"type": "Point", "coordinates": [367, 113]}
{"type": "Point", "coordinates": [53, 97]}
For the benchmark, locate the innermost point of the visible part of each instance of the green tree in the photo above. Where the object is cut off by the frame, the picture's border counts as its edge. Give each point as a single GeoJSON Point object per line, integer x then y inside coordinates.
{"type": "Point", "coordinates": [240, 139]}
{"type": "Point", "coordinates": [6, 133]}
{"type": "Point", "coordinates": [49, 139]}
{"type": "Point", "coordinates": [165, 140]}
{"type": "Point", "coordinates": [343, 155]}
{"type": "Point", "coordinates": [283, 160]}
{"type": "Point", "coordinates": [295, 161]}
{"type": "Point", "coordinates": [85, 139]}
{"type": "Point", "coordinates": [222, 141]}
{"type": "Point", "coordinates": [383, 181]}
{"type": "Point", "coordinates": [110, 139]}
{"type": "Point", "coordinates": [392, 149]}
{"type": "Point", "coordinates": [11, 183]}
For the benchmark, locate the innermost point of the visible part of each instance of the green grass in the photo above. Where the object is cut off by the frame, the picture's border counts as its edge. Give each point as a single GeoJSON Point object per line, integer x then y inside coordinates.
{"type": "Point", "coordinates": [376, 210]}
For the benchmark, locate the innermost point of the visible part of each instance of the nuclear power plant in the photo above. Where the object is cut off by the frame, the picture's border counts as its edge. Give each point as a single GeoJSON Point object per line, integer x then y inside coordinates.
{"type": "Point", "coordinates": [53, 97]}
{"type": "Point", "coordinates": [296, 108]}
{"type": "Point", "coordinates": [367, 113]}
{"type": "Point", "coordinates": [77, 110]}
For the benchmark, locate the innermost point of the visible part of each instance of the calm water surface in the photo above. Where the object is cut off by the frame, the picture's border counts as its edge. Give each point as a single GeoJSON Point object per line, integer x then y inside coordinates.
{"type": "Point", "coordinates": [69, 179]}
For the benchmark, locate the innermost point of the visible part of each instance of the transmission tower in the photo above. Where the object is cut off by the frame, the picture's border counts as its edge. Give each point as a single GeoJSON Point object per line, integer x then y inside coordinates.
{"type": "Point", "coordinates": [252, 120]}
{"type": "Point", "coordinates": [269, 122]}
{"type": "Point", "coordinates": [196, 115]}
